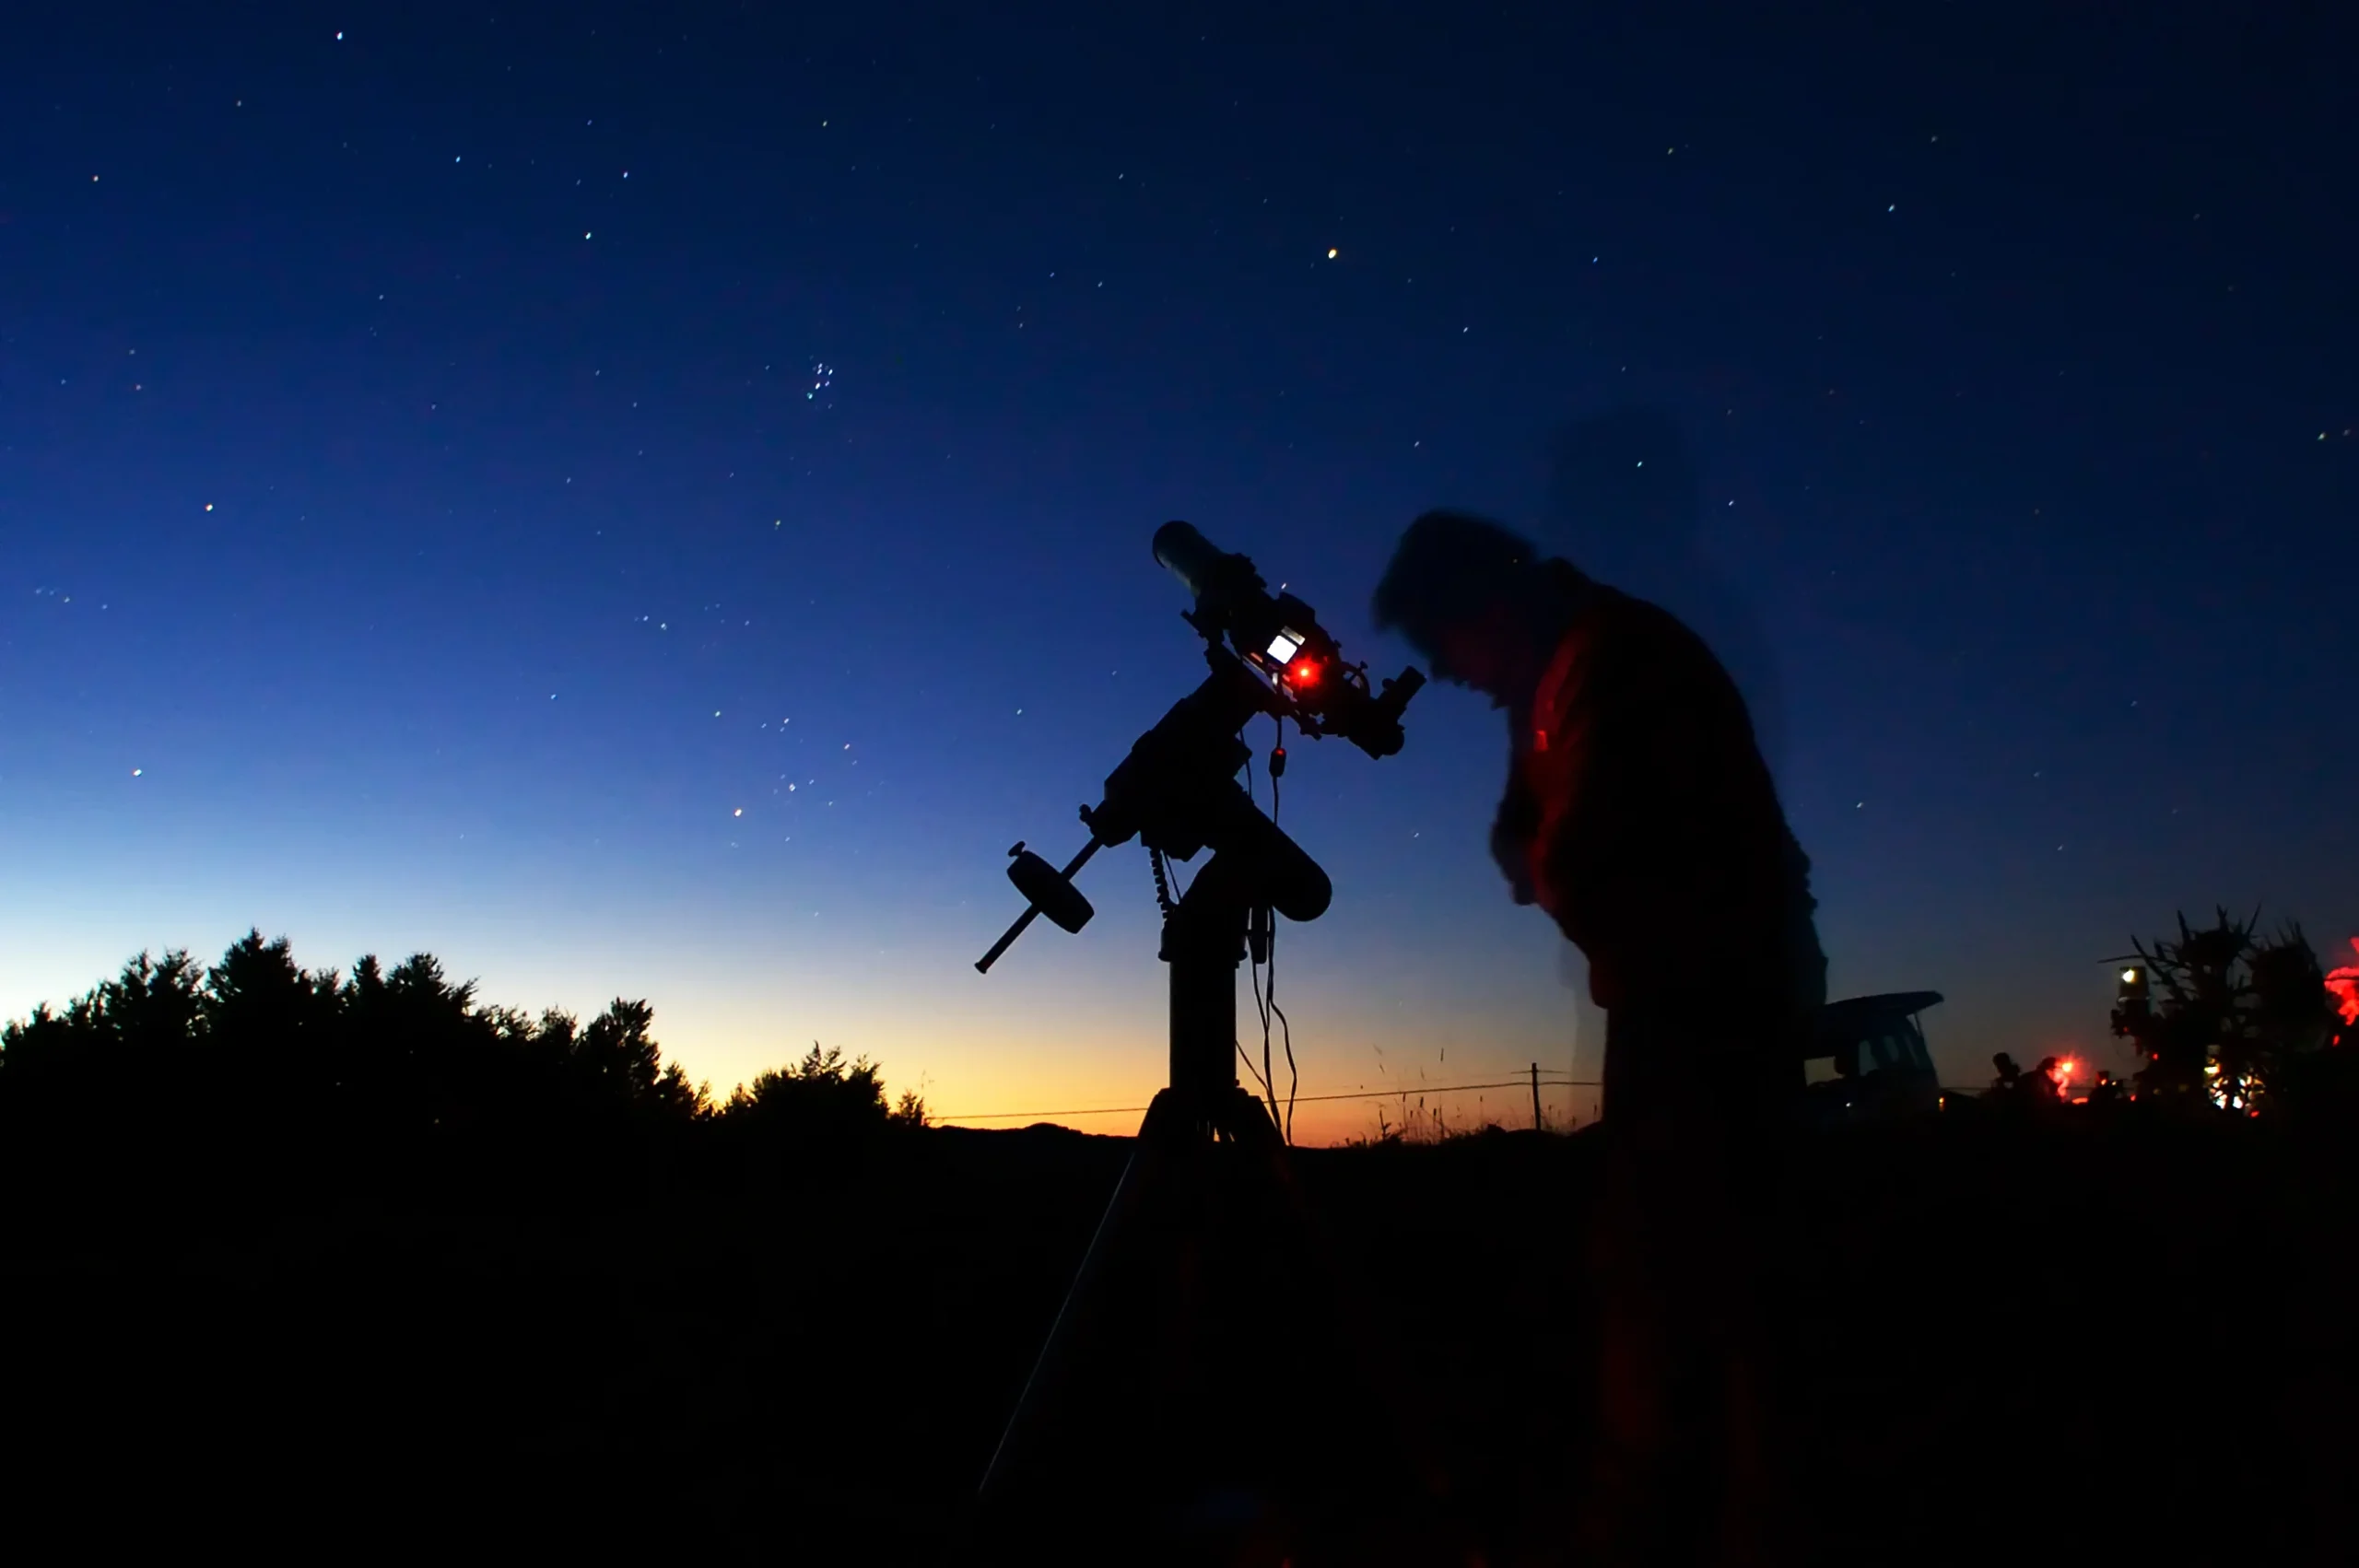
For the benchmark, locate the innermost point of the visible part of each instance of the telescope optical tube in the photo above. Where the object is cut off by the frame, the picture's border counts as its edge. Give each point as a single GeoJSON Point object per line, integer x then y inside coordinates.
{"type": "Point", "coordinates": [1206, 570]}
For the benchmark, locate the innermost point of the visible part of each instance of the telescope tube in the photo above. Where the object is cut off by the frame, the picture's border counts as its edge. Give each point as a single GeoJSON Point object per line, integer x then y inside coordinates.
{"type": "Point", "coordinates": [1202, 567]}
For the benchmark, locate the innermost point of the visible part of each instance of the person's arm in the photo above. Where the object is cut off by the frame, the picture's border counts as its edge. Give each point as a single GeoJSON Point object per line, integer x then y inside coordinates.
{"type": "Point", "coordinates": [1622, 830]}
{"type": "Point", "coordinates": [1512, 830]}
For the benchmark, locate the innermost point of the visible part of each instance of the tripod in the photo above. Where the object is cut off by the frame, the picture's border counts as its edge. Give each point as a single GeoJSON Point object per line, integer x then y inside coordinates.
{"type": "Point", "coordinates": [1159, 1424]}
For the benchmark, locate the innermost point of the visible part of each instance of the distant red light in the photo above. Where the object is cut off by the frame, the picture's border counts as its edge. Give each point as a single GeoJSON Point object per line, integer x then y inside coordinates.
{"type": "Point", "coordinates": [2343, 986]}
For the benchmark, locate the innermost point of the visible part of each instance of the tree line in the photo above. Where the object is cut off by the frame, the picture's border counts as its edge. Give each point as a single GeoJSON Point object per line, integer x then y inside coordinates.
{"type": "Point", "coordinates": [255, 1066]}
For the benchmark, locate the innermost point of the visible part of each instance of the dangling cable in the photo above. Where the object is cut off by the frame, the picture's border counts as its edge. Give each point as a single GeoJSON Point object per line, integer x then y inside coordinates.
{"type": "Point", "coordinates": [1262, 1074]}
{"type": "Point", "coordinates": [1163, 900]}
{"type": "Point", "coordinates": [1162, 882]}
{"type": "Point", "coordinates": [1266, 921]}
{"type": "Point", "coordinates": [1270, 990]}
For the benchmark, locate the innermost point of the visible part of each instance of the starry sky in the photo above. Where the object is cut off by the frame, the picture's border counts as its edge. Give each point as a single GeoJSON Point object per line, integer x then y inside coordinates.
{"type": "Point", "coordinates": [655, 500]}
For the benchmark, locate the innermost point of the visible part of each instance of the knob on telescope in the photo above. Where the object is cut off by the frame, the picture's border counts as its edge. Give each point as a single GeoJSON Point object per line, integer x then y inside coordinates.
{"type": "Point", "coordinates": [1048, 889]}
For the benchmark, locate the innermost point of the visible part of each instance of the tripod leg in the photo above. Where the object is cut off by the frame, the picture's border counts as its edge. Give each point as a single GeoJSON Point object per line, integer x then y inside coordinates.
{"type": "Point", "coordinates": [1335, 1297]}
{"type": "Point", "coordinates": [1050, 1368]}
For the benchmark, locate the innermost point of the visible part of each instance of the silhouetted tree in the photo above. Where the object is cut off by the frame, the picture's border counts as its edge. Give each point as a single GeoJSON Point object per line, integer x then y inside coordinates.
{"type": "Point", "coordinates": [2232, 1013]}
{"type": "Point", "coordinates": [270, 1028]}
{"type": "Point", "coordinates": [822, 1096]}
{"type": "Point", "coordinates": [258, 1066]}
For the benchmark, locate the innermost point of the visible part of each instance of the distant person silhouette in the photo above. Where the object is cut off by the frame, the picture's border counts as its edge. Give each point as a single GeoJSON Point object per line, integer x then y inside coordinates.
{"type": "Point", "coordinates": [2010, 1076]}
{"type": "Point", "coordinates": [1624, 497]}
{"type": "Point", "coordinates": [1639, 814]}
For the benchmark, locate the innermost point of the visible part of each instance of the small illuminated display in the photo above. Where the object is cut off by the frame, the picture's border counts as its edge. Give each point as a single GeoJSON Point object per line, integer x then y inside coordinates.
{"type": "Point", "coordinates": [1282, 646]}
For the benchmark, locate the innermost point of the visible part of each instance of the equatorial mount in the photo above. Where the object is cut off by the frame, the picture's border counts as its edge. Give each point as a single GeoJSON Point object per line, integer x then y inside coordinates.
{"type": "Point", "coordinates": [1176, 791]}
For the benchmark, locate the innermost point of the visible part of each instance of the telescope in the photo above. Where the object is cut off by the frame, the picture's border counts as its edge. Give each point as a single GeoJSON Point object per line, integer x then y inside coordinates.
{"type": "Point", "coordinates": [1137, 1427]}
{"type": "Point", "coordinates": [1176, 790]}
{"type": "Point", "coordinates": [1281, 639]}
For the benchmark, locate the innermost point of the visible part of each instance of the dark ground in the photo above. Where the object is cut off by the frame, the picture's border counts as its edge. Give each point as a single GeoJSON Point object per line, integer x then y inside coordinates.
{"type": "Point", "coordinates": [2096, 1340]}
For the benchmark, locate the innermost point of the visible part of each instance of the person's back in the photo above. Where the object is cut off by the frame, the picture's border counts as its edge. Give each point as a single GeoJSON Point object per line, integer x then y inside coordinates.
{"type": "Point", "coordinates": [1639, 815]}
{"type": "Point", "coordinates": [1658, 844]}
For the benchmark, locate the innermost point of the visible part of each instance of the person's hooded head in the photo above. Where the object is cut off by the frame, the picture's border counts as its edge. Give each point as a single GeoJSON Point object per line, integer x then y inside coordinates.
{"type": "Point", "coordinates": [1476, 599]}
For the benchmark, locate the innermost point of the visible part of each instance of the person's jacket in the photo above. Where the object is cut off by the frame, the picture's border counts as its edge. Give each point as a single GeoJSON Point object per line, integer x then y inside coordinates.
{"type": "Point", "coordinates": [1640, 816]}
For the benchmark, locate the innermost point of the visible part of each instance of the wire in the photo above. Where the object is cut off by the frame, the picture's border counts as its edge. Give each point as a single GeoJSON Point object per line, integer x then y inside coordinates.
{"type": "Point", "coordinates": [1172, 871]}
{"type": "Point", "coordinates": [1162, 882]}
{"type": "Point", "coordinates": [1285, 1030]}
{"type": "Point", "coordinates": [1268, 921]}
{"type": "Point", "coordinates": [1547, 1082]}
{"type": "Point", "coordinates": [1160, 866]}
{"type": "Point", "coordinates": [1294, 1078]}
{"type": "Point", "coordinates": [1259, 1077]}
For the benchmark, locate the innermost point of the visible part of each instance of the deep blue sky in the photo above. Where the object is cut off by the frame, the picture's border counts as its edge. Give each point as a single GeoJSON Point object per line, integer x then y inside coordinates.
{"type": "Point", "coordinates": [449, 471]}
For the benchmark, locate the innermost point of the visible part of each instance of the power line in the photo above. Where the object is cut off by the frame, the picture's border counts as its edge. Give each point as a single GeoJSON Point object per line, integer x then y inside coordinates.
{"type": "Point", "coordinates": [1547, 1082]}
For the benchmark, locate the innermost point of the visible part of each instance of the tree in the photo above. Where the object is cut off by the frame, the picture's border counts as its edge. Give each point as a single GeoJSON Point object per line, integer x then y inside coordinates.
{"type": "Point", "coordinates": [2233, 1013]}
{"type": "Point", "coordinates": [823, 1097]}
{"type": "Point", "coordinates": [618, 1052]}
{"type": "Point", "coordinates": [171, 1073]}
{"type": "Point", "coordinates": [150, 1013]}
{"type": "Point", "coordinates": [270, 1028]}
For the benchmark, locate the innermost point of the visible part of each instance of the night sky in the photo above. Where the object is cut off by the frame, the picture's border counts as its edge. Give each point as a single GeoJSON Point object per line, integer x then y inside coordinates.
{"type": "Point", "coordinates": [654, 501]}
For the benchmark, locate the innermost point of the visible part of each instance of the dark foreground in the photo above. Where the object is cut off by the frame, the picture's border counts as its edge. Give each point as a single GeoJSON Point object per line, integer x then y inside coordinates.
{"type": "Point", "coordinates": [2097, 1340]}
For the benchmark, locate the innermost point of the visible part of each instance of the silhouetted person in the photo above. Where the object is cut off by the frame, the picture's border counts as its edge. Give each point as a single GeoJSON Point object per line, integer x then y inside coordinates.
{"type": "Point", "coordinates": [1622, 493]}
{"type": "Point", "coordinates": [2011, 1076]}
{"type": "Point", "coordinates": [1638, 813]}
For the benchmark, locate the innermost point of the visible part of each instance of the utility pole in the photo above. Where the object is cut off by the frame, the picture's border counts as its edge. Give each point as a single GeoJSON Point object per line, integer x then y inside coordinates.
{"type": "Point", "coordinates": [1535, 1096]}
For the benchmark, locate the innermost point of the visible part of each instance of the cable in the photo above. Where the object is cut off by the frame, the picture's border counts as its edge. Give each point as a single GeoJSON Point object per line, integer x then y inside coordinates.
{"type": "Point", "coordinates": [1546, 1081]}
{"type": "Point", "coordinates": [1294, 1077]}
{"type": "Point", "coordinates": [1162, 882]}
{"type": "Point", "coordinates": [1268, 921]}
{"type": "Point", "coordinates": [1285, 1030]}
{"type": "Point", "coordinates": [1256, 1071]}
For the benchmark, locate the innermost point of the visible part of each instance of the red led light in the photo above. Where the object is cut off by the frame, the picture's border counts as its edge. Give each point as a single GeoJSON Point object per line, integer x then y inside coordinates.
{"type": "Point", "coordinates": [1303, 672]}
